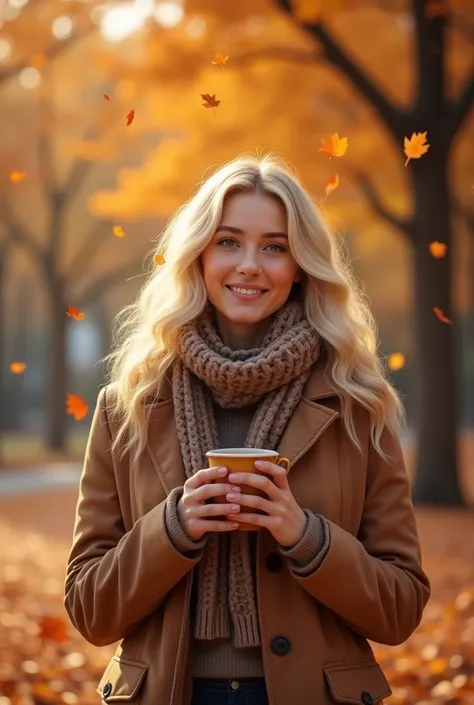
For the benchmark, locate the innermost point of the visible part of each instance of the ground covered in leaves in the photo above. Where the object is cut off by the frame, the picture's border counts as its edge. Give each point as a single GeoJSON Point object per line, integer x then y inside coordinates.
{"type": "Point", "coordinates": [43, 661]}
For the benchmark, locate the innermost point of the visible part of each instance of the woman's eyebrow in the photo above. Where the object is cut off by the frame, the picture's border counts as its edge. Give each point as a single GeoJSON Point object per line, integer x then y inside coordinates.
{"type": "Point", "coordinates": [238, 231]}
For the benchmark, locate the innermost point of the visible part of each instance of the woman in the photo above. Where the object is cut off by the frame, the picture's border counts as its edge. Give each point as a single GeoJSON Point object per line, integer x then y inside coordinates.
{"type": "Point", "coordinates": [253, 333]}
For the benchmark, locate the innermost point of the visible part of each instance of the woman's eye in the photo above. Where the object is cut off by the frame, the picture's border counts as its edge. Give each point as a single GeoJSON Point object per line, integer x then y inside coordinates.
{"type": "Point", "coordinates": [273, 244]}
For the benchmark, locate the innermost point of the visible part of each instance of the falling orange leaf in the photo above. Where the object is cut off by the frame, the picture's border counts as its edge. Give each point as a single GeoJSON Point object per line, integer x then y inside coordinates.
{"type": "Point", "coordinates": [210, 100]}
{"type": "Point", "coordinates": [415, 147]}
{"type": "Point", "coordinates": [76, 406]}
{"type": "Point", "coordinates": [159, 259]}
{"type": "Point", "coordinates": [17, 176]}
{"type": "Point", "coordinates": [332, 184]}
{"type": "Point", "coordinates": [75, 313]}
{"type": "Point", "coordinates": [396, 361]}
{"type": "Point", "coordinates": [130, 117]}
{"type": "Point", "coordinates": [118, 231]}
{"type": "Point", "coordinates": [438, 249]}
{"type": "Point", "coordinates": [53, 628]}
{"type": "Point", "coordinates": [220, 60]}
{"type": "Point", "coordinates": [439, 313]}
{"type": "Point", "coordinates": [17, 367]}
{"type": "Point", "coordinates": [106, 97]}
{"type": "Point", "coordinates": [334, 146]}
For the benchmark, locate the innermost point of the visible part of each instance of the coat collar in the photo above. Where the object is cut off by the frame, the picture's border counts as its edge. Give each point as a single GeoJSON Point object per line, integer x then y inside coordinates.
{"type": "Point", "coordinates": [309, 420]}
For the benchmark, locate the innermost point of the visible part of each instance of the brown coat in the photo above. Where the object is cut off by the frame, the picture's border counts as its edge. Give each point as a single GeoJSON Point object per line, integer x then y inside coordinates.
{"type": "Point", "coordinates": [125, 580]}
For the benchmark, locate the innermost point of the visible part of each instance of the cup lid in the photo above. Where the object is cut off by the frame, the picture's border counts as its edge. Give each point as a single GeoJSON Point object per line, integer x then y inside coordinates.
{"type": "Point", "coordinates": [241, 451]}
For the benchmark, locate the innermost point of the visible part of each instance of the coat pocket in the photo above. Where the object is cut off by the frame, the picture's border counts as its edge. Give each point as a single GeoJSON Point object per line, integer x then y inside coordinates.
{"type": "Point", "coordinates": [358, 684]}
{"type": "Point", "coordinates": [122, 680]}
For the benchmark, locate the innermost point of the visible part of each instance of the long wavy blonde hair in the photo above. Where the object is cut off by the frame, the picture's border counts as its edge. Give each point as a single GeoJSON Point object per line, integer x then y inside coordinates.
{"type": "Point", "coordinates": [174, 293]}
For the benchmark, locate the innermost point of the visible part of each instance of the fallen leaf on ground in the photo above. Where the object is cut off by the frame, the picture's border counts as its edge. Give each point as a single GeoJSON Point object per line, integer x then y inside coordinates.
{"type": "Point", "coordinates": [74, 312]}
{"type": "Point", "coordinates": [334, 146]}
{"type": "Point", "coordinates": [416, 146]}
{"type": "Point", "coordinates": [439, 313]}
{"type": "Point", "coordinates": [76, 406]}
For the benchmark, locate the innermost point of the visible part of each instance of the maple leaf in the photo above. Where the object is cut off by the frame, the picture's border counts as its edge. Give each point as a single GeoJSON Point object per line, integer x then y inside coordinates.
{"type": "Point", "coordinates": [17, 367]}
{"type": "Point", "coordinates": [17, 177]}
{"type": "Point", "coordinates": [210, 101]}
{"type": "Point", "coordinates": [118, 231]}
{"type": "Point", "coordinates": [159, 259]}
{"type": "Point", "coordinates": [130, 117]}
{"type": "Point", "coordinates": [220, 60]}
{"type": "Point", "coordinates": [415, 147]}
{"type": "Point", "coordinates": [438, 249]}
{"type": "Point", "coordinates": [75, 313]}
{"type": "Point", "coordinates": [439, 313]}
{"type": "Point", "coordinates": [76, 406]}
{"type": "Point", "coordinates": [396, 361]}
{"type": "Point", "coordinates": [53, 628]}
{"type": "Point", "coordinates": [332, 183]}
{"type": "Point", "coordinates": [334, 146]}
{"type": "Point", "coordinates": [106, 97]}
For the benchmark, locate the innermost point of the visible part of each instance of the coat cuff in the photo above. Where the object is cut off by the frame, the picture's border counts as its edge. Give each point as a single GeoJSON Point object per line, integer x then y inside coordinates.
{"type": "Point", "coordinates": [308, 553]}
{"type": "Point", "coordinates": [176, 533]}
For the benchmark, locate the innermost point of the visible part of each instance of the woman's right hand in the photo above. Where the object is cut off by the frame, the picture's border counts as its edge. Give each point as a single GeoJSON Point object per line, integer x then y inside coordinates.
{"type": "Point", "coordinates": [195, 516]}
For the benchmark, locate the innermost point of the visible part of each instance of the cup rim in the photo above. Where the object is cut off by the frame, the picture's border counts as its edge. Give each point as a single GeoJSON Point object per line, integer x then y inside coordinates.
{"type": "Point", "coordinates": [241, 452]}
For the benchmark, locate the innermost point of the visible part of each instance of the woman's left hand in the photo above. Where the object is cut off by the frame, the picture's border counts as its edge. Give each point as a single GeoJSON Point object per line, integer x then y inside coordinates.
{"type": "Point", "coordinates": [283, 516]}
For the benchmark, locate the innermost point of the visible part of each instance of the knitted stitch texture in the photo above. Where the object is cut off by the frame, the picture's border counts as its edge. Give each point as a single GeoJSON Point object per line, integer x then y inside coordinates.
{"type": "Point", "coordinates": [274, 375]}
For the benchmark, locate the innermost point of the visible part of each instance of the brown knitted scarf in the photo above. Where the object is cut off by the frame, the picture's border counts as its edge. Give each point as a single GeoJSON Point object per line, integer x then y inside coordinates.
{"type": "Point", "coordinates": [206, 370]}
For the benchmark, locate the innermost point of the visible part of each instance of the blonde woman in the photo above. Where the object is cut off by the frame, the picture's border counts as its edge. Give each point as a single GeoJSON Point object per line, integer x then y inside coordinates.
{"type": "Point", "coordinates": [253, 334]}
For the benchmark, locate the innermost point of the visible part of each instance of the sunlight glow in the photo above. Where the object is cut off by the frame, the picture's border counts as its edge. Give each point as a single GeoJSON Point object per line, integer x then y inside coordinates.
{"type": "Point", "coordinates": [5, 49]}
{"type": "Point", "coordinates": [29, 77]}
{"type": "Point", "coordinates": [196, 28]}
{"type": "Point", "coordinates": [62, 27]}
{"type": "Point", "coordinates": [119, 22]}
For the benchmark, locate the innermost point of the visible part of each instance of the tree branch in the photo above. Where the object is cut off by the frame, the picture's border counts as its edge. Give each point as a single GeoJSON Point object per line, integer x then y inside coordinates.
{"type": "Point", "coordinates": [396, 119]}
{"type": "Point", "coordinates": [459, 109]}
{"type": "Point", "coordinates": [90, 246]}
{"type": "Point", "coordinates": [17, 233]}
{"type": "Point", "coordinates": [98, 286]}
{"type": "Point", "coordinates": [367, 187]}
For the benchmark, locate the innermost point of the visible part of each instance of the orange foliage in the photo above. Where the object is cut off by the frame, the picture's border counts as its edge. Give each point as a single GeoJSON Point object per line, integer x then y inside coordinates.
{"type": "Point", "coordinates": [74, 312]}
{"type": "Point", "coordinates": [438, 249]}
{"type": "Point", "coordinates": [396, 361]}
{"type": "Point", "coordinates": [130, 117]}
{"type": "Point", "coordinates": [220, 60]}
{"type": "Point", "coordinates": [416, 146]}
{"type": "Point", "coordinates": [17, 177]}
{"type": "Point", "coordinates": [76, 407]}
{"type": "Point", "coordinates": [332, 183]}
{"type": "Point", "coordinates": [159, 259]}
{"type": "Point", "coordinates": [17, 367]}
{"type": "Point", "coordinates": [118, 231]}
{"type": "Point", "coordinates": [334, 146]}
{"type": "Point", "coordinates": [439, 313]}
{"type": "Point", "coordinates": [210, 100]}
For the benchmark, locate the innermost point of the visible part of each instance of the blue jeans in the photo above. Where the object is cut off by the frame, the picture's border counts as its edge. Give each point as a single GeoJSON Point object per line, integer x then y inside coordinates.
{"type": "Point", "coordinates": [229, 691]}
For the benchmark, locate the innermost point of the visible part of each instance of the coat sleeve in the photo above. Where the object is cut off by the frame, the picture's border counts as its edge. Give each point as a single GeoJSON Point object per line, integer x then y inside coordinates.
{"type": "Point", "coordinates": [115, 579]}
{"type": "Point", "coordinates": [375, 581]}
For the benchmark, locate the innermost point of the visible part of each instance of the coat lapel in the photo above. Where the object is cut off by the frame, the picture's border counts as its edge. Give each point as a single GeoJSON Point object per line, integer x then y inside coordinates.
{"type": "Point", "coordinates": [308, 422]}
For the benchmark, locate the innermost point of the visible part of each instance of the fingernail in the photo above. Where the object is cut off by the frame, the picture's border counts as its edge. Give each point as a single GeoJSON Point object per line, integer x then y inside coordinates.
{"type": "Point", "coordinates": [222, 471]}
{"type": "Point", "coordinates": [236, 489]}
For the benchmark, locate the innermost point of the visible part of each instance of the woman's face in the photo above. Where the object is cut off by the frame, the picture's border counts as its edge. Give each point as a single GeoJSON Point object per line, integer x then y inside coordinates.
{"type": "Point", "coordinates": [249, 250]}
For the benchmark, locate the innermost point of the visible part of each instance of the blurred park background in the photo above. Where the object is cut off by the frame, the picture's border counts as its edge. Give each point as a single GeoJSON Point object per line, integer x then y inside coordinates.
{"type": "Point", "coordinates": [105, 131]}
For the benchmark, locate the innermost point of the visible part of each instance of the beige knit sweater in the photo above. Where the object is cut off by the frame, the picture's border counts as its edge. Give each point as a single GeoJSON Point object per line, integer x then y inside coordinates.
{"type": "Point", "coordinates": [219, 658]}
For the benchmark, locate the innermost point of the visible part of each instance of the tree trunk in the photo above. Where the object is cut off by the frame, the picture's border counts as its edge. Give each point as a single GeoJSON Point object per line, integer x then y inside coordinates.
{"type": "Point", "coordinates": [435, 381]}
{"type": "Point", "coordinates": [56, 431]}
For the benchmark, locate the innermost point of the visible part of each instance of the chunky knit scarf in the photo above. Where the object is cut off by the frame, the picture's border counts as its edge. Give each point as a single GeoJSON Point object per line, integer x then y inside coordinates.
{"type": "Point", "coordinates": [206, 370]}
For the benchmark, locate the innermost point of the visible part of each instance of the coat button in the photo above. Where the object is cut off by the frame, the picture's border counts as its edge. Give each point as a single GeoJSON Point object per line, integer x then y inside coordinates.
{"type": "Point", "coordinates": [273, 562]}
{"type": "Point", "coordinates": [366, 698]}
{"type": "Point", "coordinates": [280, 645]}
{"type": "Point", "coordinates": [107, 689]}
